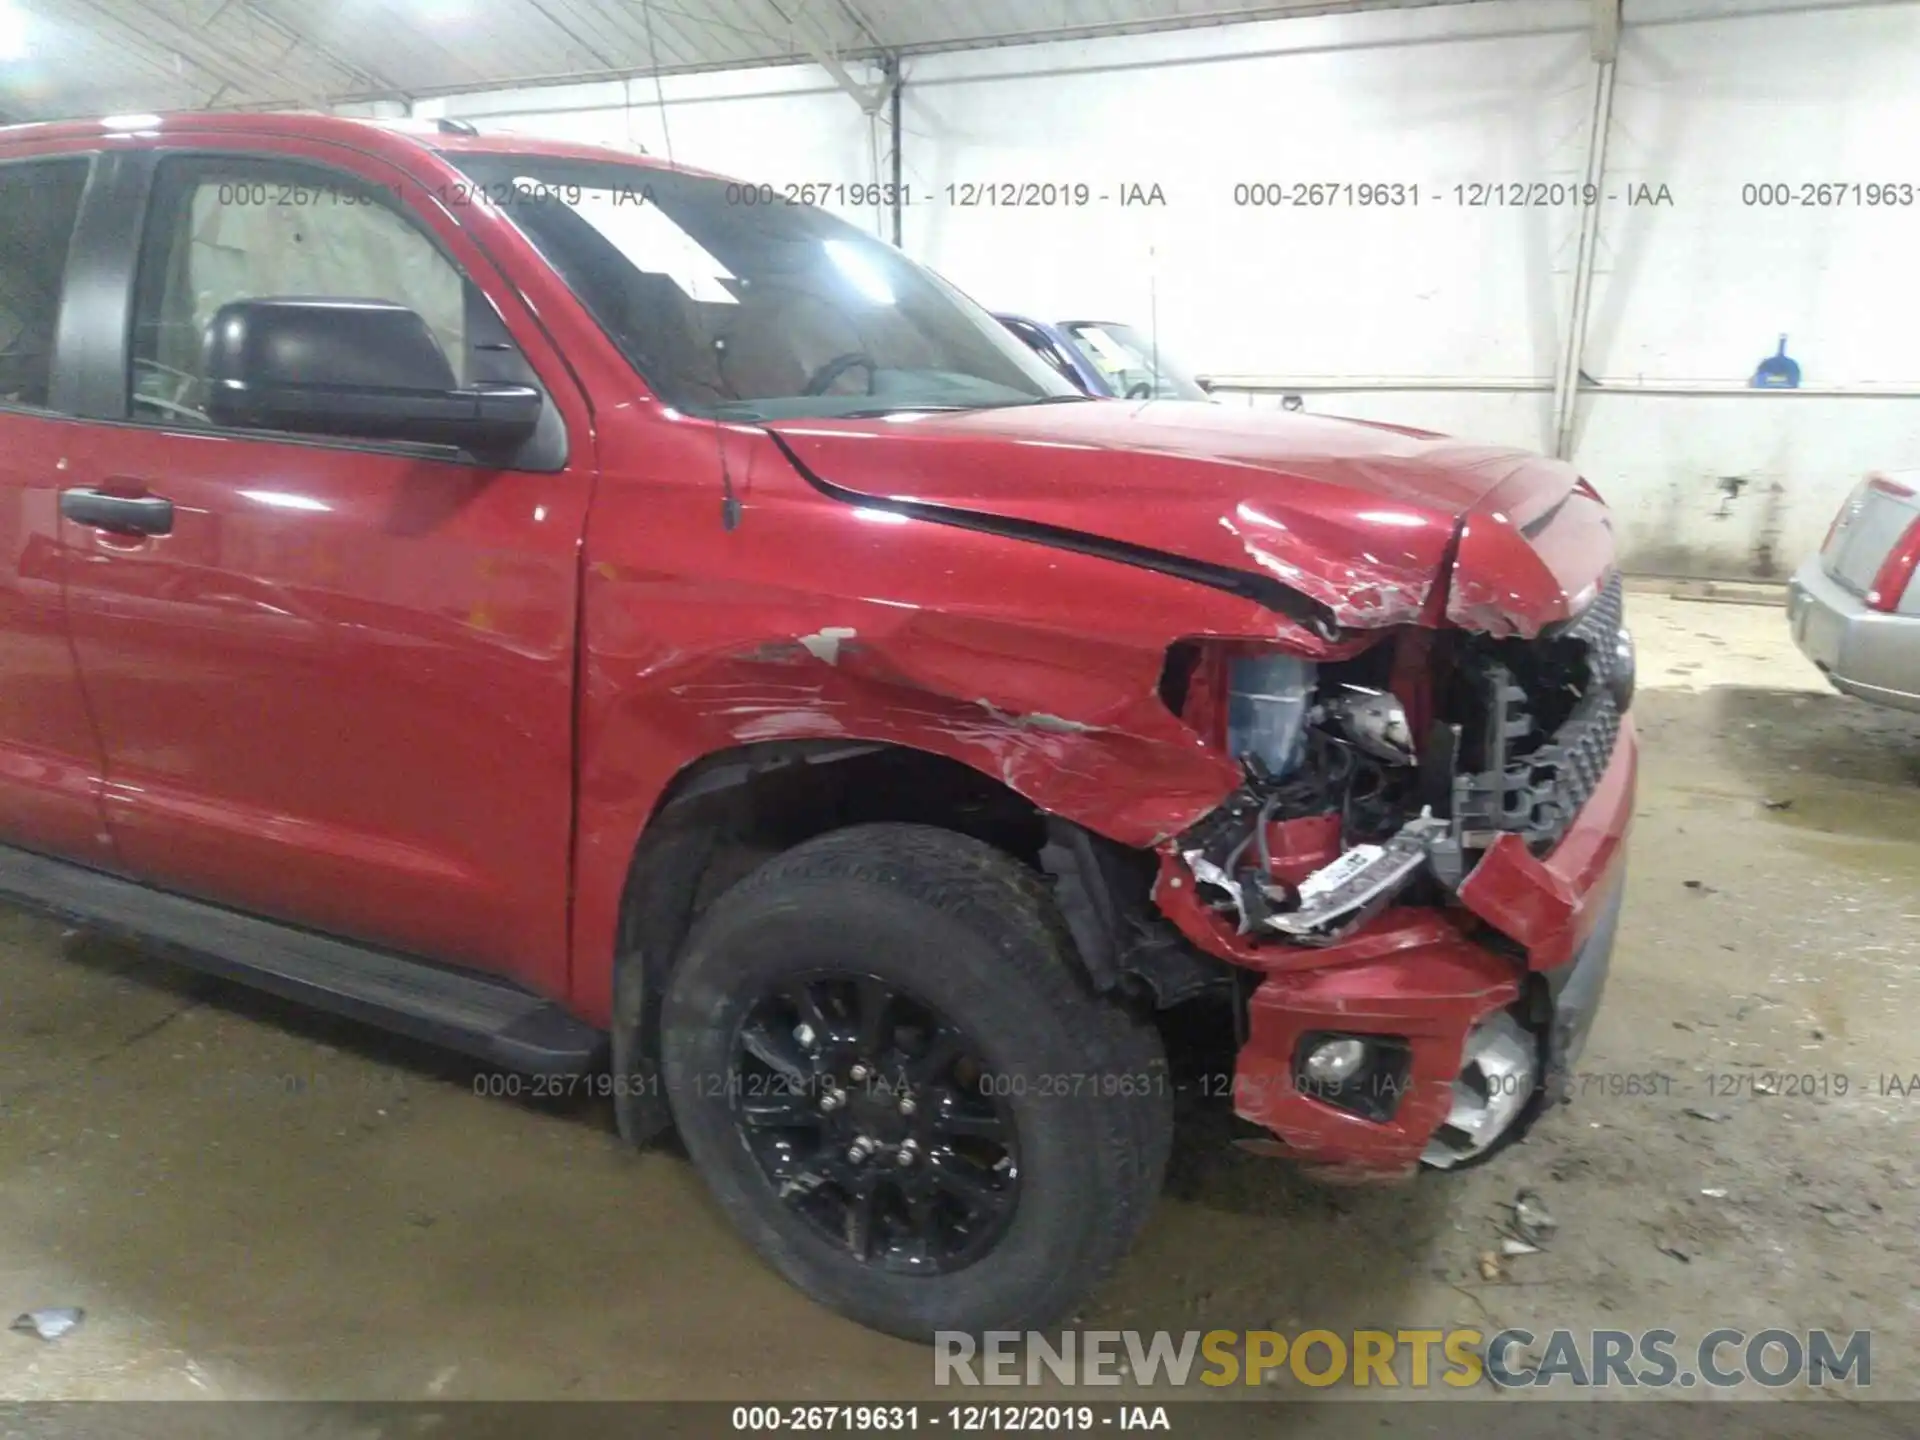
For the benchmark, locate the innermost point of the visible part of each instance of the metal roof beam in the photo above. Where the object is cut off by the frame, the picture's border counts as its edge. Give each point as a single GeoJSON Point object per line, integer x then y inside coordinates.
{"type": "Point", "coordinates": [140, 41]}
{"type": "Point", "coordinates": [326, 53]}
{"type": "Point", "coordinates": [865, 26]}
{"type": "Point", "coordinates": [813, 38]}
{"type": "Point", "coordinates": [573, 37]}
{"type": "Point", "coordinates": [1606, 31]}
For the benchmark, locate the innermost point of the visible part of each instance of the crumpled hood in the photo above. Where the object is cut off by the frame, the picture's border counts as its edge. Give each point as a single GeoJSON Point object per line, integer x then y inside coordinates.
{"type": "Point", "coordinates": [1358, 517]}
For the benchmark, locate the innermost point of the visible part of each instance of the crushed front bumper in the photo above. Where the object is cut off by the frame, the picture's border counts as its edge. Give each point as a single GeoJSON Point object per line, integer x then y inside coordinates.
{"type": "Point", "coordinates": [1421, 978]}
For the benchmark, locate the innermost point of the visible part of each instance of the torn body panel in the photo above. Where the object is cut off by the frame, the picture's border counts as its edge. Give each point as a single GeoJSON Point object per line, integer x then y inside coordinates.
{"type": "Point", "coordinates": [1434, 991]}
{"type": "Point", "coordinates": [1359, 518]}
{"type": "Point", "coordinates": [1525, 556]}
{"type": "Point", "coordinates": [1415, 977]}
{"type": "Point", "coordinates": [1551, 904]}
{"type": "Point", "coordinates": [899, 585]}
{"type": "Point", "coordinates": [1038, 667]}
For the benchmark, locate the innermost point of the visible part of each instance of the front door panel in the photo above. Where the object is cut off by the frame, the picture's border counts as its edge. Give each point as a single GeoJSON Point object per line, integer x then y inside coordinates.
{"type": "Point", "coordinates": [50, 763]}
{"type": "Point", "coordinates": [337, 689]}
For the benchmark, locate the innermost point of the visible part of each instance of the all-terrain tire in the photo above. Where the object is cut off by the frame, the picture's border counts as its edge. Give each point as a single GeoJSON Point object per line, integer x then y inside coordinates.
{"type": "Point", "coordinates": [967, 930]}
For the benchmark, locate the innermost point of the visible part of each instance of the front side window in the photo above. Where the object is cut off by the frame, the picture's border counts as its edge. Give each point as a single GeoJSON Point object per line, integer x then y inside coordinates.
{"type": "Point", "coordinates": [1038, 342]}
{"type": "Point", "coordinates": [1133, 363]}
{"type": "Point", "coordinates": [245, 229]}
{"type": "Point", "coordinates": [743, 310]}
{"type": "Point", "coordinates": [39, 203]}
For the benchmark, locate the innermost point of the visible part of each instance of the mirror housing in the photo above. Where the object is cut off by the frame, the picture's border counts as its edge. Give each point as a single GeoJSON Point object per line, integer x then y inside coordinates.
{"type": "Point", "coordinates": [363, 369]}
{"type": "Point", "coordinates": [1205, 382]}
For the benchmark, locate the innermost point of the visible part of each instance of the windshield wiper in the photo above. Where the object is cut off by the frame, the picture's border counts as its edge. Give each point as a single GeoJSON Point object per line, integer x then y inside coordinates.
{"type": "Point", "coordinates": [1074, 398]}
{"type": "Point", "coordinates": [879, 412]}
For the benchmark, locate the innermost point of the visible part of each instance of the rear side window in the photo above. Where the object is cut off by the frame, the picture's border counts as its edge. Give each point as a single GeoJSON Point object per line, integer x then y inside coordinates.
{"type": "Point", "coordinates": [39, 201]}
{"type": "Point", "coordinates": [225, 229]}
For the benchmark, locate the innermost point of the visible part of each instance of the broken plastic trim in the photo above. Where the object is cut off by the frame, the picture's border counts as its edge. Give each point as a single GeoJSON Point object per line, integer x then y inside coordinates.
{"type": "Point", "coordinates": [1262, 590]}
{"type": "Point", "coordinates": [1358, 884]}
{"type": "Point", "coordinates": [1338, 896]}
{"type": "Point", "coordinates": [1499, 1072]}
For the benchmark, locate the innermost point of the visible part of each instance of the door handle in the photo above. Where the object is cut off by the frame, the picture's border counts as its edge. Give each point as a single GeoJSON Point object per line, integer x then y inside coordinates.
{"type": "Point", "coordinates": [122, 514]}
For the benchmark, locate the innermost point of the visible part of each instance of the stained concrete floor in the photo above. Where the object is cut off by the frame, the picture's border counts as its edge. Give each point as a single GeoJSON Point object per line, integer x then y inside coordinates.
{"type": "Point", "coordinates": [250, 1201]}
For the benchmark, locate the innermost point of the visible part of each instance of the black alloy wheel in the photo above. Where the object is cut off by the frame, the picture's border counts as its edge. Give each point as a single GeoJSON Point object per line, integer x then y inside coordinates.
{"type": "Point", "coordinates": [899, 1082]}
{"type": "Point", "coordinates": [864, 1107]}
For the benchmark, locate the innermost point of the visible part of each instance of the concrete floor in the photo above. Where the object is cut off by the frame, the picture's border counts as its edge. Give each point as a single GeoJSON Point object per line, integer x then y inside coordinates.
{"type": "Point", "coordinates": [250, 1201]}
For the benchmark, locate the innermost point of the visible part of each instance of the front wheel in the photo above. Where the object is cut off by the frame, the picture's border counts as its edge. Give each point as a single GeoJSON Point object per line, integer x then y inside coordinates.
{"type": "Point", "coordinates": [884, 1059]}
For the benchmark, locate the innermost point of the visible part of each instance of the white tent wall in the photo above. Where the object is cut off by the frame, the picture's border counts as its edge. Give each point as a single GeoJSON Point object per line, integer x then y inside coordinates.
{"type": "Point", "coordinates": [773, 123]}
{"type": "Point", "coordinates": [1432, 311]}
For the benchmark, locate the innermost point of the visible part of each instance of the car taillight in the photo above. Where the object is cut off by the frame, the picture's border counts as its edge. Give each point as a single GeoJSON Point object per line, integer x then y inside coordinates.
{"type": "Point", "coordinates": [1896, 571]}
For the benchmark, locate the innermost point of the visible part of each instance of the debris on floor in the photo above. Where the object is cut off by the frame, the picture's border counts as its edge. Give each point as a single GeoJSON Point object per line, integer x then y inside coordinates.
{"type": "Point", "coordinates": [1532, 1221]}
{"type": "Point", "coordinates": [51, 1323]}
{"type": "Point", "coordinates": [1667, 1245]}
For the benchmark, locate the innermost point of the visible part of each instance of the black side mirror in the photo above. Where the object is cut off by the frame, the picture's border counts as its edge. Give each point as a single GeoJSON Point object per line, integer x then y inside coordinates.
{"type": "Point", "coordinates": [1205, 382]}
{"type": "Point", "coordinates": [363, 368]}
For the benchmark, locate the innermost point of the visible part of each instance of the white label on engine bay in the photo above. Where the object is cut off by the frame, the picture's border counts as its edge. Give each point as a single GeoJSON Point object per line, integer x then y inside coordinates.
{"type": "Point", "coordinates": [1332, 877]}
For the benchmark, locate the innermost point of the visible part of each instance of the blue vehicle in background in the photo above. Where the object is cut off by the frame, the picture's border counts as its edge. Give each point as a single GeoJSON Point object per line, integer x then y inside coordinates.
{"type": "Point", "coordinates": [1106, 358]}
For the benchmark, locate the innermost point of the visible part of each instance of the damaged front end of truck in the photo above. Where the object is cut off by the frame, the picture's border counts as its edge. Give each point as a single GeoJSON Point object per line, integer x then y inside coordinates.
{"type": "Point", "coordinates": [1322, 724]}
{"type": "Point", "coordinates": [1422, 870]}
{"type": "Point", "coordinates": [1414, 889]}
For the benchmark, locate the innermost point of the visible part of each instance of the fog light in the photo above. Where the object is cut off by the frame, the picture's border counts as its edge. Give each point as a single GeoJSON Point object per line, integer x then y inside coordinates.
{"type": "Point", "coordinates": [1334, 1061]}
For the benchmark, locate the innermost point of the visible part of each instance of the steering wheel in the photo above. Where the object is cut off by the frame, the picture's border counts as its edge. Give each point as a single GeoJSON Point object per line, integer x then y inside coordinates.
{"type": "Point", "coordinates": [1140, 390]}
{"type": "Point", "coordinates": [820, 379]}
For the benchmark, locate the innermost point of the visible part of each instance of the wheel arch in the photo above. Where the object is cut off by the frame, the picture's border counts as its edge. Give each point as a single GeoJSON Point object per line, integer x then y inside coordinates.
{"type": "Point", "coordinates": [727, 812]}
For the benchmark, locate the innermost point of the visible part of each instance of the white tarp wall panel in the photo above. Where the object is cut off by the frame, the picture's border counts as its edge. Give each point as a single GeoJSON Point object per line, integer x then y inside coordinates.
{"type": "Point", "coordinates": [1812, 105]}
{"type": "Point", "coordinates": [1389, 111]}
{"type": "Point", "coordinates": [782, 124]}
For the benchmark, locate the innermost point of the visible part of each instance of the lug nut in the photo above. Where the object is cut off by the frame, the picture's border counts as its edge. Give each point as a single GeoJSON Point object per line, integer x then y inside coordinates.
{"type": "Point", "coordinates": [906, 1154]}
{"type": "Point", "coordinates": [858, 1072]}
{"type": "Point", "coordinates": [832, 1100]}
{"type": "Point", "coordinates": [860, 1149]}
{"type": "Point", "coordinates": [907, 1107]}
{"type": "Point", "coordinates": [803, 1033]}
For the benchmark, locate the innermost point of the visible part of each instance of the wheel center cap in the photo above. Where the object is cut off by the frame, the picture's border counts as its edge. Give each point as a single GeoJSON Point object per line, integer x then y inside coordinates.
{"type": "Point", "coordinates": [875, 1110]}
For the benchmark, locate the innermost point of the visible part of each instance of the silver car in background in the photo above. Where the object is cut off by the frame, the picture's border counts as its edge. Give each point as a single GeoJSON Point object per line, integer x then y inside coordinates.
{"type": "Point", "coordinates": [1855, 607]}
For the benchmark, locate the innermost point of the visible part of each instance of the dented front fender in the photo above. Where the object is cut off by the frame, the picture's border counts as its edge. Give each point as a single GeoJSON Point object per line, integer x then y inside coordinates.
{"type": "Point", "coordinates": [812, 619]}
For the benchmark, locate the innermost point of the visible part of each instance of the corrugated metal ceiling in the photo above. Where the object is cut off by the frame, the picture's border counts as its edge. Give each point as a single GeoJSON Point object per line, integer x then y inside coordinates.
{"type": "Point", "coordinates": [92, 57]}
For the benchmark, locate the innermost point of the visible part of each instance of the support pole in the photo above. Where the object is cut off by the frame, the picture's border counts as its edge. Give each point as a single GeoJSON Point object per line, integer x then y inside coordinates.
{"type": "Point", "coordinates": [895, 166]}
{"type": "Point", "coordinates": [1566, 390]}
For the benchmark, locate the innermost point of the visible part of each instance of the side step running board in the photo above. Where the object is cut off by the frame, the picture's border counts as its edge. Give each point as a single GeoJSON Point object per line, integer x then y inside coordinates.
{"type": "Point", "coordinates": [488, 1018]}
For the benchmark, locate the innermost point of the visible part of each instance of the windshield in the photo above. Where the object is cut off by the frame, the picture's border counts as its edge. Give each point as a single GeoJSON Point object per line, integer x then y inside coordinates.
{"type": "Point", "coordinates": [1134, 366]}
{"type": "Point", "coordinates": [757, 311]}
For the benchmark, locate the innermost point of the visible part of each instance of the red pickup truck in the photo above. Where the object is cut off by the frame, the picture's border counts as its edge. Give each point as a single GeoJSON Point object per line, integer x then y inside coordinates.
{"type": "Point", "coordinates": [559, 605]}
